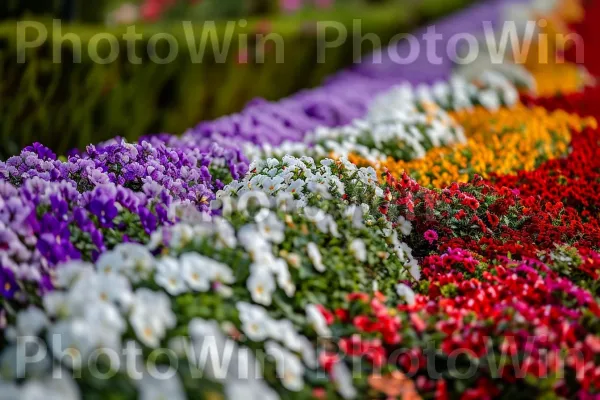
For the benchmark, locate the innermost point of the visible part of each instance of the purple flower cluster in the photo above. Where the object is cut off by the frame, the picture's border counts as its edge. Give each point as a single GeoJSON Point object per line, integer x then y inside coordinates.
{"type": "Point", "coordinates": [52, 211]}
{"type": "Point", "coordinates": [46, 223]}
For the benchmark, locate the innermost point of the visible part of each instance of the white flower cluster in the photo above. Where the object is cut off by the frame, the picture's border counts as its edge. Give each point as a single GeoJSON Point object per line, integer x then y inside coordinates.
{"type": "Point", "coordinates": [297, 178]}
{"type": "Point", "coordinates": [490, 90]}
{"type": "Point", "coordinates": [258, 326]}
{"type": "Point", "coordinates": [397, 127]}
{"type": "Point", "coordinates": [222, 359]}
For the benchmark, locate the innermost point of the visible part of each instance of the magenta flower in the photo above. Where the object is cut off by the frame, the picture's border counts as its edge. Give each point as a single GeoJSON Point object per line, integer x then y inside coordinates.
{"type": "Point", "coordinates": [431, 236]}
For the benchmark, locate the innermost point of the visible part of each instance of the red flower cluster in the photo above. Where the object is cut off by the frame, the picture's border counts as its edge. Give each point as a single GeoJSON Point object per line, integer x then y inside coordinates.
{"type": "Point", "coordinates": [519, 324]}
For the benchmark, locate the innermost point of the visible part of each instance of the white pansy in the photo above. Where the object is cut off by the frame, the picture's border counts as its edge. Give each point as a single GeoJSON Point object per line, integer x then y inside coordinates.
{"type": "Point", "coordinates": [151, 316]}
{"type": "Point", "coordinates": [359, 250]}
{"type": "Point", "coordinates": [308, 352]}
{"type": "Point", "coordinates": [261, 286]}
{"type": "Point", "coordinates": [225, 233]}
{"type": "Point", "coordinates": [249, 390]}
{"type": "Point", "coordinates": [66, 274]}
{"type": "Point", "coordinates": [197, 271]}
{"type": "Point", "coordinates": [295, 187]}
{"type": "Point", "coordinates": [221, 273]}
{"type": "Point", "coordinates": [284, 278]}
{"type": "Point", "coordinates": [72, 342]}
{"type": "Point", "coordinates": [404, 225]}
{"type": "Point", "coordinates": [355, 214]}
{"type": "Point", "coordinates": [270, 227]}
{"type": "Point", "coordinates": [317, 321]}
{"type": "Point", "coordinates": [286, 334]}
{"type": "Point", "coordinates": [31, 321]}
{"type": "Point", "coordinates": [342, 378]}
{"type": "Point", "coordinates": [315, 256]}
{"type": "Point", "coordinates": [58, 387]}
{"type": "Point", "coordinates": [252, 241]}
{"type": "Point", "coordinates": [169, 388]}
{"type": "Point", "coordinates": [272, 185]}
{"type": "Point", "coordinates": [109, 262]}
{"type": "Point", "coordinates": [254, 320]}
{"type": "Point", "coordinates": [169, 276]}
{"type": "Point", "coordinates": [137, 261]}
{"type": "Point", "coordinates": [406, 293]}
{"type": "Point", "coordinates": [414, 269]}
{"type": "Point", "coordinates": [290, 369]}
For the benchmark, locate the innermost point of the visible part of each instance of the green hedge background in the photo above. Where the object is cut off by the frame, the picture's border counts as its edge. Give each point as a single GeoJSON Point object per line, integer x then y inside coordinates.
{"type": "Point", "coordinates": [66, 105]}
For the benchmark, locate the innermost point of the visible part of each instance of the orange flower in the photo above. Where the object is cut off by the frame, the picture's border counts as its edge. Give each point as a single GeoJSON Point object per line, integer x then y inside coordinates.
{"type": "Point", "coordinates": [395, 386]}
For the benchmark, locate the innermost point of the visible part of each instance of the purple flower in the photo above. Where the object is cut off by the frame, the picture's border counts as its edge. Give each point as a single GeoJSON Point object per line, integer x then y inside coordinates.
{"type": "Point", "coordinates": [8, 285]}
{"type": "Point", "coordinates": [42, 151]}
{"type": "Point", "coordinates": [104, 208]}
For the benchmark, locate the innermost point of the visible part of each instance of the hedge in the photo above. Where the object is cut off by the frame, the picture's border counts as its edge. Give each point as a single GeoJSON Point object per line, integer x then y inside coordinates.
{"type": "Point", "coordinates": [67, 105]}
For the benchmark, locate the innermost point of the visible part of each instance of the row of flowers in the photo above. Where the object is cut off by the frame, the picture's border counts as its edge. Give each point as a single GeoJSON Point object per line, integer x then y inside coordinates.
{"type": "Point", "coordinates": [175, 268]}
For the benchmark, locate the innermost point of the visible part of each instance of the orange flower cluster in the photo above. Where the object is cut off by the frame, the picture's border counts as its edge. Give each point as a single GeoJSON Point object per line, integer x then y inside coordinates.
{"type": "Point", "coordinates": [502, 142]}
{"type": "Point", "coordinates": [552, 79]}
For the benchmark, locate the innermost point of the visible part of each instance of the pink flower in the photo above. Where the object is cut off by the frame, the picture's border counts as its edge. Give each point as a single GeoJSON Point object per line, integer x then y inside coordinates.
{"type": "Point", "coordinates": [431, 236]}
{"type": "Point", "coordinates": [291, 5]}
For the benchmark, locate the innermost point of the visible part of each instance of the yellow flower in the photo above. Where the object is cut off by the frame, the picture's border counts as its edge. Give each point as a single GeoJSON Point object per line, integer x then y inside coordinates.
{"type": "Point", "coordinates": [551, 79]}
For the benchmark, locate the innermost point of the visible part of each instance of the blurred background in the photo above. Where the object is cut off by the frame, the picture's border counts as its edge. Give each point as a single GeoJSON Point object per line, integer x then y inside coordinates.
{"type": "Point", "coordinates": [66, 105]}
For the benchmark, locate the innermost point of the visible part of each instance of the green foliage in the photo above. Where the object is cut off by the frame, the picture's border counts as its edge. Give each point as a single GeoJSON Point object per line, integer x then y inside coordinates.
{"type": "Point", "coordinates": [67, 105]}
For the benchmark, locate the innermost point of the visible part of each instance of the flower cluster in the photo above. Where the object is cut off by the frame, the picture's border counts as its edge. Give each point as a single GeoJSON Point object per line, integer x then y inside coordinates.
{"type": "Point", "coordinates": [490, 90]}
{"type": "Point", "coordinates": [502, 142]}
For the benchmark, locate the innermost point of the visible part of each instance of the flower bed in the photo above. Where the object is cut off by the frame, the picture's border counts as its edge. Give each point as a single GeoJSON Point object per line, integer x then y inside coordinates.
{"type": "Point", "coordinates": [456, 257]}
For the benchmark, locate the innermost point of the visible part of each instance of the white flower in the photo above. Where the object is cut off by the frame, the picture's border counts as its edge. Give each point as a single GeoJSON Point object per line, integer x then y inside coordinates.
{"type": "Point", "coordinates": [406, 293]}
{"type": "Point", "coordinates": [415, 271]}
{"type": "Point", "coordinates": [169, 276]}
{"type": "Point", "coordinates": [359, 250]}
{"type": "Point", "coordinates": [66, 274]}
{"type": "Point", "coordinates": [137, 263]}
{"type": "Point", "coordinates": [404, 225]}
{"type": "Point", "coordinates": [315, 256]}
{"type": "Point", "coordinates": [77, 340]}
{"type": "Point", "coordinates": [272, 185]}
{"type": "Point", "coordinates": [295, 187]}
{"type": "Point", "coordinates": [249, 390]}
{"type": "Point", "coordinates": [221, 273]}
{"type": "Point", "coordinates": [284, 278]}
{"type": "Point", "coordinates": [355, 214]}
{"type": "Point", "coordinates": [109, 262]}
{"type": "Point", "coordinates": [151, 316]}
{"type": "Point", "coordinates": [254, 320]}
{"type": "Point", "coordinates": [342, 379]}
{"type": "Point", "coordinates": [261, 286]}
{"type": "Point", "coordinates": [317, 321]}
{"type": "Point", "coordinates": [62, 387]}
{"type": "Point", "coordinates": [309, 355]}
{"type": "Point", "coordinates": [225, 233]}
{"type": "Point", "coordinates": [287, 334]}
{"type": "Point", "coordinates": [252, 241]}
{"type": "Point", "coordinates": [270, 227]}
{"type": "Point", "coordinates": [31, 321]}
{"type": "Point", "coordinates": [288, 366]}
{"type": "Point", "coordinates": [196, 271]}
{"type": "Point", "coordinates": [108, 325]}
{"type": "Point", "coordinates": [170, 388]}
{"type": "Point", "coordinates": [403, 251]}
